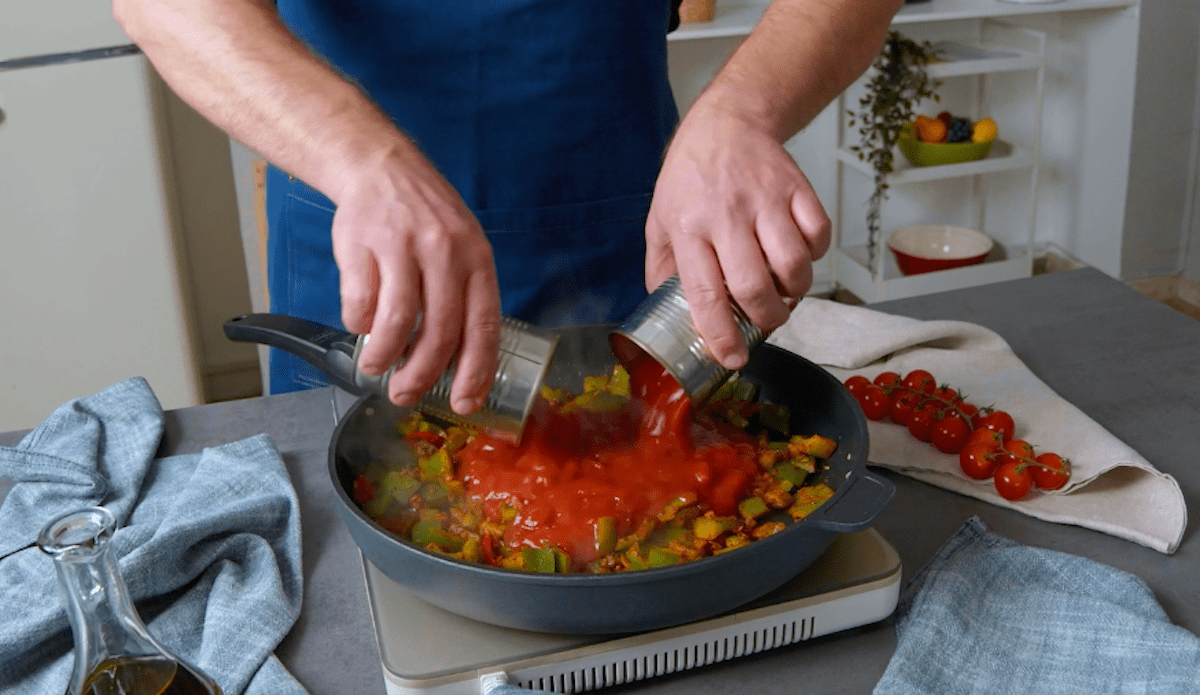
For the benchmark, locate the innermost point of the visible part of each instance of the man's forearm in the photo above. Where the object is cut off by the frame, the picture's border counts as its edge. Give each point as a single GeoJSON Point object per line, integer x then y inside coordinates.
{"type": "Point", "coordinates": [237, 64]}
{"type": "Point", "coordinates": [798, 59]}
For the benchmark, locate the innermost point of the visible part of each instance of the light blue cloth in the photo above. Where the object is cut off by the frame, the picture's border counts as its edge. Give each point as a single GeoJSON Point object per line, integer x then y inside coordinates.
{"type": "Point", "coordinates": [209, 544]}
{"type": "Point", "coordinates": [989, 615]}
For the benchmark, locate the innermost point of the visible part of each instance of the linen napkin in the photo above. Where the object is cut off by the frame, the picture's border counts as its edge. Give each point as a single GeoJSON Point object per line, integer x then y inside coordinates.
{"type": "Point", "coordinates": [1113, 489]}
{"type": "Point", "coordinates": [208, 544]}
{"type": "Point", "coordinates": [989, 615]}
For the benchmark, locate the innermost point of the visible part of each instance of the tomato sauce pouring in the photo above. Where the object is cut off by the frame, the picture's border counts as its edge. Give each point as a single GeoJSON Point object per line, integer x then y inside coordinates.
{"type": "Point", "coordinates": [624, 460]}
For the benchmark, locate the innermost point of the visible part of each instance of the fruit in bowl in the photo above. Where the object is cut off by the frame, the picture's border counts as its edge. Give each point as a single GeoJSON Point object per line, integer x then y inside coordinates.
{"type": "Point", "coordinates": [926, 248]}
{"type": "Point", "coordinates": [946, 139]}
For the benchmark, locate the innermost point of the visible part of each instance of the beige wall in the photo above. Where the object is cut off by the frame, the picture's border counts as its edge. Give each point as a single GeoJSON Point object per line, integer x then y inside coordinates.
{"type": "Point", "coordinates": [1159, 215]}
{"type": "Point", "coordinates": [216, 267]}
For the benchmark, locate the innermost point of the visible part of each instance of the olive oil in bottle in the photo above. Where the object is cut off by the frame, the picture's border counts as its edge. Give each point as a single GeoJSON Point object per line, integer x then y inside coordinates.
{"type": "Point", "coordinates": [115, 653]}
{"type": "Point", "coordinates": [146, 675]}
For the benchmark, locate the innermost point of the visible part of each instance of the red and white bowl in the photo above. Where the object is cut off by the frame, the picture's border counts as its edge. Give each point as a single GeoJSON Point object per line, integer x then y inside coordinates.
{"type": "Point", "coordinates": [930, 247]}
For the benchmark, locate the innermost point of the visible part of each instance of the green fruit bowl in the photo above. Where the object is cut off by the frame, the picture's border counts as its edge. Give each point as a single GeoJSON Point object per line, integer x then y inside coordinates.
{"type": "Point", "coordinates": [924, 154]}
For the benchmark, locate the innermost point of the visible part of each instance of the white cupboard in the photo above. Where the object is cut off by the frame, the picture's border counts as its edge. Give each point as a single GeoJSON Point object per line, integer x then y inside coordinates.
{"type": "Point", "coordinates": [92, 278]}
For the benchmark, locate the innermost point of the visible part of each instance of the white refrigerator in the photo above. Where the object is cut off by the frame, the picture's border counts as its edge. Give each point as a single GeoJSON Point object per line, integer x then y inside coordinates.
{"type": "Point", "coordinates": [93, 285]}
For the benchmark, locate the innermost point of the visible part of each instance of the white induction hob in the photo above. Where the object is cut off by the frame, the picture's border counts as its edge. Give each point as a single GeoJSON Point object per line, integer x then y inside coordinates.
{"type": "Point", "coordinates": [430, 651]}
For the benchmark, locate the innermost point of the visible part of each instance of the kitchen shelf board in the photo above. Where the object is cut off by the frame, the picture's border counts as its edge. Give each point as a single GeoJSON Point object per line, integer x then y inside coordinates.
{"type": "Point", "coordinates": [950, 10]}
{"type": "Point", "coordinates": [1003, 157]}
{"type": "Point", "coordinates": [854, 275]}
{"type": "Point", "coordinates": [739, 17]}
{"type": "Point", "coordinates": [979, 59]}
{"type": "Point", "coordinates": [730, 18]}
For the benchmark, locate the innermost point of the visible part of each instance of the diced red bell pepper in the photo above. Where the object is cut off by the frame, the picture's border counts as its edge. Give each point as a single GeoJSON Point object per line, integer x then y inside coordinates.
{"type": "Point", "coordinates": [364, 489]}
{"type": "Point", "coordinates": [489, 552]}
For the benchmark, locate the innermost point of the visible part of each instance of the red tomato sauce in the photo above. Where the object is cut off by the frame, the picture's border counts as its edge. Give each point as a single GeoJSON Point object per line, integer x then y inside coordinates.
{"type": "Point", "coordinates": [574, 468]}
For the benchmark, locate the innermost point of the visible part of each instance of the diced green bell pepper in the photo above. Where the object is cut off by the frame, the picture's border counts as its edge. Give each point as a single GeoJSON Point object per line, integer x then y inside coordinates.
{"type": "Point", "coordinates": [709, 528]}
{"type": "Point", "coordinates": [434, 494]}
{"type": "Point", "coordinates": [556, 396]}
{"type": "Point", "coordinates": [670, 509]}
{"type": "Point", "coordinates": [596, 402]}
{"type": "Point", "coordinates": [606, 534]}
{"type": "Point", "coordinates": [562, 561]}
{"type": "Point", "coordinates": [456, 437]}
{"type": "Point", "coordinates": [816, 445]}
{"type": "Point", "coordinates": [594, 384]}
{"type": "Point", "coordinates": [636, 562]}
{"type": "Point", "coordinates": [790, 472]}
{"type": "Point", "coordinates": [752, 507]}
{"type": "Point", "coordinates": [808, 498]}
{"type": "Point", "coordinates": [661, 558]}
{"type": "Point", "coordinates": [430, 532]}
{"type": "Point", "coordinates": [539, 559]}
{"type": "Point", "coordinates": [619, 384]}
{"type": "Point", "coordinates": [437, 466]}
{"type": "Point", "coordinates": [394, 486]}
{"type": "Point", "coordinates": [663, 536]}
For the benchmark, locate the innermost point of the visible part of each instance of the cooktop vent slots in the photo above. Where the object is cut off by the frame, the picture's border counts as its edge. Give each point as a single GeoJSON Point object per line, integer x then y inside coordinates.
{"type": "Point", "coordinates": [658, 663]}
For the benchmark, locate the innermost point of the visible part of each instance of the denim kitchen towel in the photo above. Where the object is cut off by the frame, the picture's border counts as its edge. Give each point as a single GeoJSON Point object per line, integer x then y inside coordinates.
{"type": "Point", "coordinates": [989, 615]}
{"type": "Point", "coordinates": [208, 543]}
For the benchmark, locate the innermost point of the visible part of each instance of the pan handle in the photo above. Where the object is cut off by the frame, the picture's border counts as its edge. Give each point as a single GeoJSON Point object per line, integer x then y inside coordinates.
{"type": "Point", "coordinates": [329, 349]}
{"type": "Point", "coordinates": [866, 496]}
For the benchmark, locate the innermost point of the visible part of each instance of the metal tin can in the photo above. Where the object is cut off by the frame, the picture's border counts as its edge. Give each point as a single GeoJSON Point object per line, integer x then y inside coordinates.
{"type": "Point", "coordinates": [525, 355]}
{"type": "Point", "coordinates": [662, 327]}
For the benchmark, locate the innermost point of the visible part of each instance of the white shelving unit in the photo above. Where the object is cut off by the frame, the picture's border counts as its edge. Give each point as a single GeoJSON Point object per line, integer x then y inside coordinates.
{"type": "Point", "coordinates": [997, 49]}
{"type": "Point", "coordinates": [1087, 50]}
{"type": "Point", "coordinates": [730, 18]}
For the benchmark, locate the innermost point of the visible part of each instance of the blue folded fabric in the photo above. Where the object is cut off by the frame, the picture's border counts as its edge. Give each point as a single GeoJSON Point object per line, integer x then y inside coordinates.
{"type": "Point", "coordinates": [209, 544]}
{"type": "Point", "coordinates": [989, 615]}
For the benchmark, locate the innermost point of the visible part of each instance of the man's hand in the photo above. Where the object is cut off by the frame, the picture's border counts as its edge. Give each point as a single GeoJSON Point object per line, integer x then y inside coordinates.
{"type": "Point", "coordinates": [405, 243]}
{"type": "Point", "coordinates": [417, 275]}
{"type": "Point", "coordinates": [731, 211]}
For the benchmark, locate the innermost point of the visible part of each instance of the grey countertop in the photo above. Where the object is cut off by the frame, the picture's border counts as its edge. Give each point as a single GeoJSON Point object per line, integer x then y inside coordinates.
{"type": "Point", "coordinates": [1130, 363]}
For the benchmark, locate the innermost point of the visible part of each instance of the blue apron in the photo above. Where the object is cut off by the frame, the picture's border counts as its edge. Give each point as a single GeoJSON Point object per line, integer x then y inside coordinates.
{"type": "Point", "coordinates": [550, 118]}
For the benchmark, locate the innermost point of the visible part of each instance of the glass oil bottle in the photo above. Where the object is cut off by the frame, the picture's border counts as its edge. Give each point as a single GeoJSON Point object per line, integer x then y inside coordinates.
{"type": "Point", "coordinates": [114, 651]}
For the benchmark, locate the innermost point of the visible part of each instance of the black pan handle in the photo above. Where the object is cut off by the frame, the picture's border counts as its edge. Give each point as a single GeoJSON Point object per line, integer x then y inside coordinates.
{"type": "Point", "coordinates": [865, 497]}
{"type": "Point", "coordinates": [329, 349]}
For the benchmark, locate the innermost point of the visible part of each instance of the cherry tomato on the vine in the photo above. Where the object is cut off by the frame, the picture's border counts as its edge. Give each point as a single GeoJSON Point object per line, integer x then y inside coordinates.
{"type": "Point", "coordinates": [1015, 451]}
{"type": "Point", "coordinates": [1053, 472]}
{"type": "Point", "coordinates": [949, 434]}
{"type": "Point", "coordinates": [903, 406]}
{"type": "Point", "coordinates": [978, 461]}
{"type": "Point", "coordinates": [1012, 481]}
{"type": "Point", "coordinates": [921, 421]}
{"type": "Point", "coordinates": [920, 380]}
{"type": "Point", "coordinates": [885, 379]}
{"type": "Point", "coordinates": [1000, 421]}
{"type": "Point", "coordinates": [991, 438]}
{"type": "Point", "coordinates": [947, 394]}
{"type": "Point", "coordinates": [874, 402]}
{"type": "Point", "coordinates": [856, 384]}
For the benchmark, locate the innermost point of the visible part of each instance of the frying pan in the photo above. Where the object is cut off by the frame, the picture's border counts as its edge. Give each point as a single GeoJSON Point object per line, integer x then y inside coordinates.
{"type": "Point", "coordinates": [622, 602]}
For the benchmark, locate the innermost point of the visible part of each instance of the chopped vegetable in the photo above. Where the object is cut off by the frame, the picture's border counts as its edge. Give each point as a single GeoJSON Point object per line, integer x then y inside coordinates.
{"type": "Point", "coordinates": [606, 535]}
{"type": "Point", "coordinates": [752, 507]}
{"type": "Point", "coordinates": [395, 486]}
{"type": "Point", "coordinates": [808, 499]}
{"type": "Point", "coordinates": [539, 559]}
{"type": "Point", "coordinates": [426, 500]}
{"type": "Point", "coordinates": [430, 532]}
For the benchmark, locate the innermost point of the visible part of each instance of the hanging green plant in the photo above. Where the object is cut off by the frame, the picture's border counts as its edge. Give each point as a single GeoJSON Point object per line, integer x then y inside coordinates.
{"type": "Point", "coordinates": [898, 83]}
